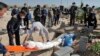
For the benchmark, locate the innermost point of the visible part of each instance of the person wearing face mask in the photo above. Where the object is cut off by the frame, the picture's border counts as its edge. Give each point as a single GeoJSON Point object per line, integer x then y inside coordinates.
{"type": "Point", "coordinates": [25, 8]}
{"type": "Point", "coordinates": [13, 30]}
{"type": "Point", "coordinates": [72, 13]}
{"type": "Point", "coordinates": [21, 18]}
{"type": "Point", "coordinates": [26, 20]}
{"type": "Point", "coordinates": [86, 12]}
{"type": "Point", "coordinates": [15, 10]}
{"type": "Point", "coordinates": [37, 13]}
{"type": "Point", "coordinates": [92, 20]}
{"type": "Point", "coordinates": [44, 13]}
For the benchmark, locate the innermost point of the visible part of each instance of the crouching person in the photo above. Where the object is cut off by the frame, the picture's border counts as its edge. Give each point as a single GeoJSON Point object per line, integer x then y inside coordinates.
{"type": "Point", "coordinates": [38, 32]}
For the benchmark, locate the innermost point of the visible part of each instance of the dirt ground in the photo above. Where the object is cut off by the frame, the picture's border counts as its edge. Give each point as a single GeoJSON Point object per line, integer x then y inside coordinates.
{"type": "Point", "coordinates": [6, 18]}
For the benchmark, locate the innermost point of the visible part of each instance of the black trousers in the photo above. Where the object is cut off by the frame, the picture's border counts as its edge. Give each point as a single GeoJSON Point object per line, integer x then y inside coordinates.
{"type": "Point", "coordinates": [37, 18]}
{"type": "Point", "coordinates": [43, 20]}
{"type": "Point", "coordinates": [56, 19]}
{"type": "Point", "coordinates": [92, 24]}
{"type": "Point", "coordinates": [85, 18]}
{"type": "Point", "coordinates": [26, 23]}
{"type": "Point", "coordinates": [17, 38]}
{"type": "Point", "coordinates": [72, 19]}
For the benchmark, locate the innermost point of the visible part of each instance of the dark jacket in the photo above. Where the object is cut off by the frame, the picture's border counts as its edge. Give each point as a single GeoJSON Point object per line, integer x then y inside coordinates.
{"type": "Point", "coordinates": [72, 10]}
{"type": "Point", "coordinates": [44, 12]}
{"type": "Point", "coordinates": [92, 21]}
{"type": "Point", "coordinates": [25, 9]}
{"type": "Point", "coordinates": [37, 13]}
{"type": "Point", "coordinates": [86, 9]}
{"type": "Point", "coordinates": [14, 12]}
{"type": "Point", "coordinates": [13, 26]}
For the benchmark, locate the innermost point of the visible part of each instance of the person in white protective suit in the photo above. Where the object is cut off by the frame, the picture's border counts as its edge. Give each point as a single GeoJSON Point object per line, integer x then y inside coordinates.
{"type": "Point", "coordinates": [38, 33]}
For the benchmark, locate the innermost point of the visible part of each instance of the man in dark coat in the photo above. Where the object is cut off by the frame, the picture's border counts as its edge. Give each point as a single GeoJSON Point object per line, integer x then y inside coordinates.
{"type": "Point", "coordinates": [37, 13]}
{"type": "Point", "coordinates": [92, 21]}
{"type": "Point", "coordinates": [15, 10]}
{"type": "Point", "coordinates": [25, 8]}
{"type": "Point", "coordinates": [13, 30]}
{"type": "Point", "coordinates": [44, 13]}
{"type": "Point", "coordinates": [72, 13]}
{"type": "Point", "coordinates": [57, 16]}
{"type": "Point", "coordinates": [86, 12]}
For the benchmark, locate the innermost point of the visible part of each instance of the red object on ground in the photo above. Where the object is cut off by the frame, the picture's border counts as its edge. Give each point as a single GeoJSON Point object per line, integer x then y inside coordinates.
{"type": "Point", "coordinates": [18, 49]}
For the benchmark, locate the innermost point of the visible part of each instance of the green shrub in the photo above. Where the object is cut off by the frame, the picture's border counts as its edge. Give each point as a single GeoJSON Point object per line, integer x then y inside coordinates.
{"type": "Point", "coordinates": [96, 48]}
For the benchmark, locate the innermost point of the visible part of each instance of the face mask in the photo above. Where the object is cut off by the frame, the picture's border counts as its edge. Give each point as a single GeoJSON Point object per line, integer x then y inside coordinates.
{"type": "Point", "coordinates": [23, 17]}
{"type": "Point", "coordinates": [16, 8]}
{"type": "Point", "coordinates": [15, 16]}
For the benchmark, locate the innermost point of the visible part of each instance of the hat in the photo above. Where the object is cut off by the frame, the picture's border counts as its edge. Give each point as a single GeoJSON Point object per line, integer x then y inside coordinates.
{"type": "Point", "coordinates": [73, 3]}
{"type": "Point", "coordinates": [87, 5]}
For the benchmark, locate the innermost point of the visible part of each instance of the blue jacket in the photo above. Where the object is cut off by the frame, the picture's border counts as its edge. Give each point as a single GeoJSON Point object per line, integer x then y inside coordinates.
{"type": "Point", "coordinates": [44, 12]}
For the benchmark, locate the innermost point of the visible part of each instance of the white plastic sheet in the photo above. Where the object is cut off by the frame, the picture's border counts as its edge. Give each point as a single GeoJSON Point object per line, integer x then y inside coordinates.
{"type": "Point", "coordinates": [41, 45]}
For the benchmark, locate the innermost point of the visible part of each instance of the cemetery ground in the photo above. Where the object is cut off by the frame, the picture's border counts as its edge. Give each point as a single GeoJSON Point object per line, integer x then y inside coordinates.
{"type": "Point", "coordinates": [92, 48]}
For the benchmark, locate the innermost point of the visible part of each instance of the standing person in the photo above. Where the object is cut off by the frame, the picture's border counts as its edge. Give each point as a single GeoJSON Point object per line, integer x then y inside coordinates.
{"type": "Point", "coordinates": [21, 18]}
{"type": "Point", "coordinates": [80, 14]}
{"type": "Point", "coordinates": [13, 30]}
{"type": "Point", "coordinates": [50, 17]}
{"type": "Point", "coordinates": [15, 10]}
{"type": "Point", "coordinates": [73, 13]}
{"type": "Point", "coordinates": [37, 13]}
{"type": "Point", "coordinates": [26, 21]}
{"type": "Point", "coordinates": [86, 12]}
{"type": "Point", "coordinates": [44, 13]}
{"type": "Point", "coordinates": [65, 12]}
{"type": "Point", "coordinates": [92, 20]}
{"type": "Point", "coordinates": [56, 15]}
{"type": "Point", "coordinates": [25, 8]}
{"type": "Point", "coordinates": [30, 17]}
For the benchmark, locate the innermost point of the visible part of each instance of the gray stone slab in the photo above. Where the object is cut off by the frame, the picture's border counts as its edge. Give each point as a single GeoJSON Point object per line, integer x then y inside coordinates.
{"type": "Point", "coordinates": [64, 51]}
{"type": "Point", "coordinates": [82, 43]}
